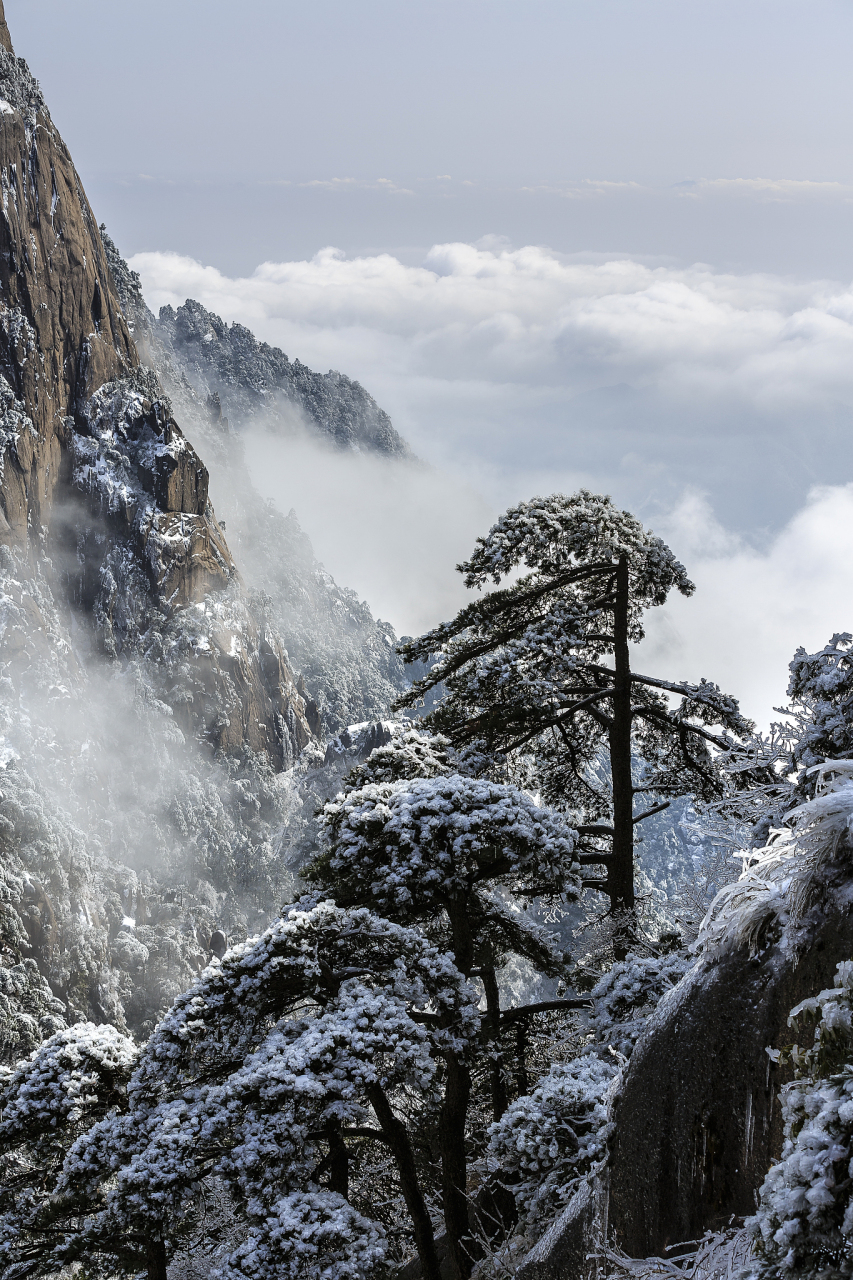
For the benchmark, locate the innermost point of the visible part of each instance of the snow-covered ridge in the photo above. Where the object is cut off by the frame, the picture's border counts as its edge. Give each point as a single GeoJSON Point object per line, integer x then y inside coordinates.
{"type": "Point", "coordinates": [777, 882]}
{"type": "Point", "coordinates": [20, 91]}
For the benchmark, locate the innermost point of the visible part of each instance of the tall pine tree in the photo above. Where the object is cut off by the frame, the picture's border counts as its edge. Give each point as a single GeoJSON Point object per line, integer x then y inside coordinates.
{"type": "Point", "coordinates": [541, 667]}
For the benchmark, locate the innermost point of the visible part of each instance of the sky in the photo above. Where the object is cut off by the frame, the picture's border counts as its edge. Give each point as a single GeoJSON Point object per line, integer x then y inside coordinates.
{"type": "Point", "coordinates": [599, 242]}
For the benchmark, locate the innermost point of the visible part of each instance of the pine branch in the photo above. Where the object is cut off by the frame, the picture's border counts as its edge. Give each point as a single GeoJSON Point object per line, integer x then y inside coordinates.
{"type": "Point", "coordinates": [544, 1006]}
{"type": "Point", "coordinates": [658, 808]}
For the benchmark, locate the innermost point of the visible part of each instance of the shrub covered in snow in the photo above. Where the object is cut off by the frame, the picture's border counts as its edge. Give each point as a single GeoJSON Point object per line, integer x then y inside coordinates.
{"type": "Point", "coordinates": [778, 881]}
{"type": "Point", "coordinates": [546, 1142]}
{"type": "Point", "coordinates": [804, 1224]}
{"type": "Point", "coordinates": [415, 846]}
{"type": "Point", "coordinates": [625, 996]}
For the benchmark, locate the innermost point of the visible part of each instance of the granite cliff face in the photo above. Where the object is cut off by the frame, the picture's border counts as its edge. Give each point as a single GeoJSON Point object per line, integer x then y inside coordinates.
{"type": "Point", "coordinates": [93, 458]}
{"type": "Point", "coordinates": [251, 379]}
{"type": "Point", "coordinates": [347, 659]}
{"type": "Point", "coordinates": [148, 709]}
{"type": "Point", "coordinates": [62, 334]}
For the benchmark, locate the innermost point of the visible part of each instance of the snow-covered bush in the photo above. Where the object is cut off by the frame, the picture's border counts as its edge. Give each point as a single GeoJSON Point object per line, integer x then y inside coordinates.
{"type": "Point", "coordinates": [804, 1224]}
{"type": "Point", "coordinates": [316, 1234]}
{"type": "Point", "coordinates": [547, 1141]}
{"type": "Point", "coordinates": [625, 996]}
{"type": "Point", "coordinates": [778, 881]}
{"type": "Point", "coordinates": [47, 1103]}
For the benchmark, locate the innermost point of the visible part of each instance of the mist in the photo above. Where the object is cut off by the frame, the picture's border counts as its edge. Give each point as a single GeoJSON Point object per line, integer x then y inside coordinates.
{"type": "Point", "coordinates": [392, 530]}
{"type": "Point", "coordinates": [716, 406]}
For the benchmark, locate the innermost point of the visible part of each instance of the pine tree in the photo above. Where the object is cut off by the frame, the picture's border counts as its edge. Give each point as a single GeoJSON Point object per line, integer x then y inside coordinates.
{"type": "Point", "coordinates": [525, 673]}
{"type": "Point", "coordinates": [271, 1076]}
{"type": "Point", "coordinates": [450, 854]}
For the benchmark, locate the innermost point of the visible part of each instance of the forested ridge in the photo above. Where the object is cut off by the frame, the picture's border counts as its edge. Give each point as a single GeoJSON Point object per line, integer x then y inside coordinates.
{"type": "Point", "coordinates": [330, 955]}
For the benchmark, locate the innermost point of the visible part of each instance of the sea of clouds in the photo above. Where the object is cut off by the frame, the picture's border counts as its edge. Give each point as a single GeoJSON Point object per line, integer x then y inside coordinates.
{"type": "Point", "coordinates": [718, 407]}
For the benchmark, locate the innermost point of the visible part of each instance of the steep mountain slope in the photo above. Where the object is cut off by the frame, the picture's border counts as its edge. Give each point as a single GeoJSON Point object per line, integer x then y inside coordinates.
{"type": "Point", "coordinates": [83, 425]}
{"type": "Point", "coordinates": [252, 379]}
{"type": "Point", "coordinates": [347, 660]}
{"type": "Point", "coordinates": [147, 706]}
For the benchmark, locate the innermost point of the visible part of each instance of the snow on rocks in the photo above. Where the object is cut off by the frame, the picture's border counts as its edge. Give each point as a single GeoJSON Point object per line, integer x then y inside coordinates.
{"type": "Point", "coordinates": [804, 1223]}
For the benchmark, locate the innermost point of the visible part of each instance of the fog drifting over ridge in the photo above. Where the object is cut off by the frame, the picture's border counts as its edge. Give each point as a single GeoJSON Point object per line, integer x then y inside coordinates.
{"type": "Point", "coordinates": [717, 406]}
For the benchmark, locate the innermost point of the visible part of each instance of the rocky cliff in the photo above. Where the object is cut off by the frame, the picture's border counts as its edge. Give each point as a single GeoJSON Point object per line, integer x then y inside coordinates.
{"type": "Point", "coordinates": [92, 457]}
{"type": "Point", "coordinates": [347, 659]}
{"type": "Point", "coordinates": [147, 705]}
{"type": "Point", "coordinates": [252, 380]}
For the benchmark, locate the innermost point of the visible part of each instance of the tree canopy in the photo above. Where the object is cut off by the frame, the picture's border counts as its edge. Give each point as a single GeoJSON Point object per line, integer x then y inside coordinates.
{"type": "Point", "coordinates": [525, 672]}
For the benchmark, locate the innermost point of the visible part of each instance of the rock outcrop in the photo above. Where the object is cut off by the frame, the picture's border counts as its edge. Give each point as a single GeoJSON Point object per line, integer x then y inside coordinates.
{"type": "Point", "coordinates": [96, 477]}
{"type": "Point", "coordinates": [346, 658]}
{"type": "Point", "coordinates": [697, 1121]}
{"type": "Point", "coordinates": [5, 38]}
{"type": "Point", "coordinates": [252, 380]}
{"type": "Point", "coordinates": [62, 332]}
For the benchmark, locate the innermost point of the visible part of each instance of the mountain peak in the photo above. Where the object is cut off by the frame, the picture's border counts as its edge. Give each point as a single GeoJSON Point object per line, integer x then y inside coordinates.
{"type": "Point", "coordinates": [5, 38]}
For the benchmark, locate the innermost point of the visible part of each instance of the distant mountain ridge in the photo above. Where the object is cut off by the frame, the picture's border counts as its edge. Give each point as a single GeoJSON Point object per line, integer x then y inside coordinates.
{"type": "Point", "coordinates": [251, 378]}
{"type": "Point", "coordinates": [347, 659]}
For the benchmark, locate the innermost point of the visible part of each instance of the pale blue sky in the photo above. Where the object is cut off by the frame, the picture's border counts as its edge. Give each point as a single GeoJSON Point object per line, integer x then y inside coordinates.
{"type": "Point", "coordinates": [228, 109]}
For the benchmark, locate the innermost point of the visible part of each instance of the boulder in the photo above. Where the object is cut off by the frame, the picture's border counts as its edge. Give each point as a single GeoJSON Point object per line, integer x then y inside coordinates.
{"type": "Point", "coordinates": [697, 1118]}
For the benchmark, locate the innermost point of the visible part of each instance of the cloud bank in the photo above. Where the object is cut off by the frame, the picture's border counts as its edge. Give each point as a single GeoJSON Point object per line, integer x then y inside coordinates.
{"type": "Point", "coordinates": [492, 312]}
{"type": "Point", "coordinates": [509, 364]}
{"type": "Point", "coordinates": [719, 407]}
{"type": "Point", "coordinates": [752, 609]}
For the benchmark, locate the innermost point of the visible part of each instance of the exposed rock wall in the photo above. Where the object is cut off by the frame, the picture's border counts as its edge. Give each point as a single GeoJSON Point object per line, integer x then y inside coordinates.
{"type": "Point", "coordinates": [697, 1118]}
{"type": "Point", "coordinates": [62, 332]}
{"type": "Point", "coordinates": [698, 1121]}
{"type": "Point", "coordinates": [5, 38]}
{"type": "Point", "coordinates": [96, 474]}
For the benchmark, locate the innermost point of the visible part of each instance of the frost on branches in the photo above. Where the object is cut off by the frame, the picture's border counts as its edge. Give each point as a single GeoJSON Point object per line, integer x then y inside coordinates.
{"type": "Point", "coordinates": [423, 844]}
{"type": "Point", "coordinates": [270, 1076]}
{"type": "Point", "coordinates": [548, 1141]}
{"type": "Point", "coordinates": [47, 1103]}
{"type": "Point", "coordinates": [779, 881]}
{"type": "Point", "coordinates": [624, 997]}
{"type": "Point", "coordinates": [804, 1224]}
{"type": "Point", "coordinates": [539, 672]}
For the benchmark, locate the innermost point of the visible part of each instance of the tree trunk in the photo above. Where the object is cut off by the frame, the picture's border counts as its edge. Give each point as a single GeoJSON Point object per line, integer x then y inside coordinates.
{"type": "Point", "coordinates": [401, 1147]}
{"type": "Point", "coordinates": [454, 1115]}
{"type": "Point", "coordinates": [522, 1082]}
{"type": "Point", "coordinates": [620, 873]}
{"type": "Point", "coordinates": [155, 1259]}
{"type": "Point", "coordinates": [338, 1164]}
{"type": "Point", "coordinates": [500, 1095]}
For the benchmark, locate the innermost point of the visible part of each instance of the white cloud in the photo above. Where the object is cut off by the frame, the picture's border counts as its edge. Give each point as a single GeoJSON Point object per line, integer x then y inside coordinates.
{"type": "Point", "coordinates": [391, 531]}
{"type": "Point", "coordinates": [510, 364]}
{"type": "Point", "coordinates": [521, 315]}
{"type": "Point", "coordinates": [776, 189]}
{"type": "Point", "coordinates": [521, 371]}
{"type": "Point", "coordinates": [753, 608]}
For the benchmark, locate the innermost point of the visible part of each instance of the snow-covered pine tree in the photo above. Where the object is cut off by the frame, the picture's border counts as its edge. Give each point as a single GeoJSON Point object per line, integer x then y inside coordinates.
{"type": "Point", "coordinates": [767, 776]}
{"type": "Point", "coordinates": [48, 1103]}
{"type": "Point", "coordinates": [268, 1078]}
{"type": "Point", "coordinates": [804, 1224]}
{"type": "Point", "coordinates": [450, 854]}
{"type": "Point", "coordinates": [525, 672]}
